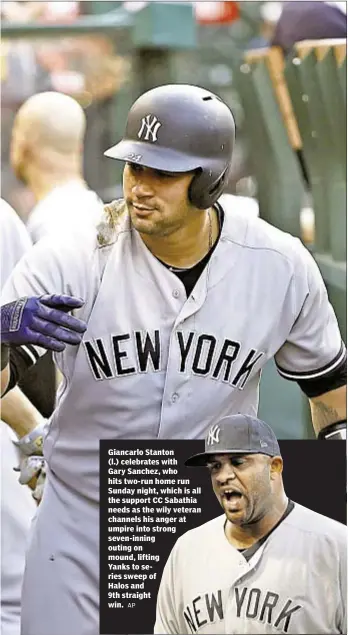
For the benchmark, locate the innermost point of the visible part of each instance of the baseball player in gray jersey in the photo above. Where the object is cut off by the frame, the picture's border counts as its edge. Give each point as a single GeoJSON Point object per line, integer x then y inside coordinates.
{"type": "Point", "coordinates": [183, 300]}
{"type": "Point", "coordinates": [267, 565]}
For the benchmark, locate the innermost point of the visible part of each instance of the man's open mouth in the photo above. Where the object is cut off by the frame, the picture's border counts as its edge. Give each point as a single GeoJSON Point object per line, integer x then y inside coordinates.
{"type": "Point", "coordinates": [231, 494]}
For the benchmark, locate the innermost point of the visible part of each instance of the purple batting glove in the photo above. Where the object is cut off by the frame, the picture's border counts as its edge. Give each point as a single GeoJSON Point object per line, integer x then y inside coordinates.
{"type": "Point", "coordinates": [42, 320]}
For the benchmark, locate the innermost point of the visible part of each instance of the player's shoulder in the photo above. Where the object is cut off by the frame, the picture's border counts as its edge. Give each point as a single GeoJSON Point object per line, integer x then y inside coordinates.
{"type": "Point", "coordinates": [310, 522]}
{"type": "Point", "coordinates": [113, 222]}
{"type": "Point", "coordinates": [6, 210]}
{"type": "Point", "coordinates": [258, 236]}
{"type": "Point", "coordinates": [200, 534]}
{"type": "Point", "coordinates": [66, 257]}
{"type": "Point", "coordinates": [63, 211]}
{"type": "Point", "coordinates": [9, 218]}
{"type": "Point", "coordinates": [70, 243]}
{"type": "Point", "coordinates": [13, 230]}
{"type": "Point", "coordinates": [81, 243]}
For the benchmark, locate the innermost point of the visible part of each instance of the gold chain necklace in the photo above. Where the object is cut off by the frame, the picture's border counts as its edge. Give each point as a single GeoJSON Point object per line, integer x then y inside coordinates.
{"type": "Point", "coordinates": [210, 244]}
{"type": "Point", "coordinates": [210, 231]}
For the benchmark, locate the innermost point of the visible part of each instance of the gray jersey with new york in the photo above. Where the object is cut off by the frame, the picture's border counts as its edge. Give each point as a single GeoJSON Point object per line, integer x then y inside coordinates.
{"type": "Point", "coordinates": [154, 363]}
{"type": "Point", "coordinates": [296, 582]}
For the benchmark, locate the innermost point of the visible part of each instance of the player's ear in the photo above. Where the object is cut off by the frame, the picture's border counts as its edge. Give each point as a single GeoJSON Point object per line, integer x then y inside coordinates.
{"type": "Point", "coordinates": [23, 150]}
{"type": "Point", "coordinates": [276, 466]}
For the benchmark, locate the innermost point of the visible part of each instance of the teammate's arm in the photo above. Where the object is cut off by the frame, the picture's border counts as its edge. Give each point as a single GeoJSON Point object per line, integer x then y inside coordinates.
{"type": "Point", "coordinates": [314, 355]}
{"type": "Point", "coordinates": [19, 413]}
{"type": "Point", "coordinates": [33, 317]}
{"type": "Point", "coordinates": [5, 378]}
{"type": "Point", "coordinates": [30, 426]}
{"type": "Point", "coordinates": [41, 321]}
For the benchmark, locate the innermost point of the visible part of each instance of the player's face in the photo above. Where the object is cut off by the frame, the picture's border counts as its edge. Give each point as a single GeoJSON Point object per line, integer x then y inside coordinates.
{"type": "Point", "coordinates": [157, 201]}
{"type": "Point", "coordinates": [243, 486]}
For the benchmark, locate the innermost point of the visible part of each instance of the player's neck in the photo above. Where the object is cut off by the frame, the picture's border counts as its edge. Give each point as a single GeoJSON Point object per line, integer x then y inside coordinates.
{"type": "Point", "coordinates": [188, 245]}
{"type": "Point", "coordinates": [245, 536]}
{"type": "Point", "coordinates": [42, 182]}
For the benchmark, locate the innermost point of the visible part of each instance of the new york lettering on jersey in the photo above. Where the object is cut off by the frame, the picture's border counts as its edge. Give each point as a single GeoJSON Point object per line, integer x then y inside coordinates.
{"type": "Point", "coordinates": [200, 354]}
{"type": "Point", "coordinates": [247, 603]}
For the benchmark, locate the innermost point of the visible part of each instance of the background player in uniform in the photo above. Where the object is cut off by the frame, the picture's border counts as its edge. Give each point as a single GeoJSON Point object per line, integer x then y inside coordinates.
{"type": "Point", "coordinates": [267, 565]}
{"type": "Point", "coordinates": [185, 300]}
{"type": "Point", "coordinates": [18, 418]}
{"type": "Point", "coordinates": [47, 155]}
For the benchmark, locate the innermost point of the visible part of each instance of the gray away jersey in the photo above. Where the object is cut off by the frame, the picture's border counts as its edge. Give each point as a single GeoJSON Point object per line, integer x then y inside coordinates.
{"type": "Point", "coordinates": [14, 240]}
{"type": "Point", "coordinates": [17, 504]}
{"type": "Point", "coordinates": [156, 364]}
{"type": "Point", "coordinates": [296, 582]}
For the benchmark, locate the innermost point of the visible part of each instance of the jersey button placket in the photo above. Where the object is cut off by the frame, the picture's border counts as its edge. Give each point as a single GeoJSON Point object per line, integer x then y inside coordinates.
{"type": "Point", "coordinates": [175, 396]}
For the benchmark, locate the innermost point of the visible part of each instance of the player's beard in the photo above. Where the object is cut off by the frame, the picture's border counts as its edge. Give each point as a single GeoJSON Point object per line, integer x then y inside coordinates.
{"type": "Point", "coordinates": [238, 510]}
{"type": "Point", "coordinates": [155, 223]}
{"type": "Point", "coordinates": [252, 506]}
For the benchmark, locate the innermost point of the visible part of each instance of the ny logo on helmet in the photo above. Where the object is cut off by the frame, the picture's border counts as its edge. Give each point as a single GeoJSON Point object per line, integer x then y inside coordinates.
{"type": "Point", "coordinates": [213, 435]}
{"type": "Point", "coordinates": [149, 126]}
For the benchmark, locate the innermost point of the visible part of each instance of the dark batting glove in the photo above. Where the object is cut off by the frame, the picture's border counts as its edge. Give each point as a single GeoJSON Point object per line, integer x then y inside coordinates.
{"type": "Point", "coordinates": [42, 320]}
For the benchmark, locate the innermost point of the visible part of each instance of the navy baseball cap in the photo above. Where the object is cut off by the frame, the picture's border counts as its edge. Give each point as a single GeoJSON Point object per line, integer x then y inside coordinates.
{"type": "Point", "coordinates": [237, 434]}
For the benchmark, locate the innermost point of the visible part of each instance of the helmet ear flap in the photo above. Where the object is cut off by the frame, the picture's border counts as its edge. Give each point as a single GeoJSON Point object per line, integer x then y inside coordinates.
{"type": "Point", "coordinates": [203, 193]}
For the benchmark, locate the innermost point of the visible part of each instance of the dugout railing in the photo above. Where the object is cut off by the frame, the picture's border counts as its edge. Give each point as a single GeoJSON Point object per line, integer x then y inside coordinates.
{"type": "Point", "coordinates": [298, 107]}
{"type": "Point", "coordinates": [316, 77]}
{"type": "Point", "coordinates": [296, 116]}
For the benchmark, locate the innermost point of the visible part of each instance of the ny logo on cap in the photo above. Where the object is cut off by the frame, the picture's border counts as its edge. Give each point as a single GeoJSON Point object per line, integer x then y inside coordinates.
{"type": "Point", "coordinates": [213, 435]}
{"type": "Point", "coordinates": [150, 126]}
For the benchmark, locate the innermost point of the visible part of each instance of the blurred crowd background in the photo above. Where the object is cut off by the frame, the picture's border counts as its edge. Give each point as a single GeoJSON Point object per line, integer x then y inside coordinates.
{"type": "Point", "coordinates": [289, 165]}
{"type": "Point", "coordinates": [105, 69]}
{"type": "Point", "coordinates": [101, 70]}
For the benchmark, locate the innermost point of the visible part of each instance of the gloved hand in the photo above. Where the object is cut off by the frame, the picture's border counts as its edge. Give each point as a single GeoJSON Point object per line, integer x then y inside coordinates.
{"type": "Point", "coordinates": [32, 466]}
{"type": "Point", "coordinates": [42, 320]}
{"type": "Point", "coordinates": [33, 473]}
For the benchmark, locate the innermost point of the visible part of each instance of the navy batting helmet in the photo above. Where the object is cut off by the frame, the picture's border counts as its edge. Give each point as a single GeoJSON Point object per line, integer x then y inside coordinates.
{"type": "Point", "coordinates": [179, 128]}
